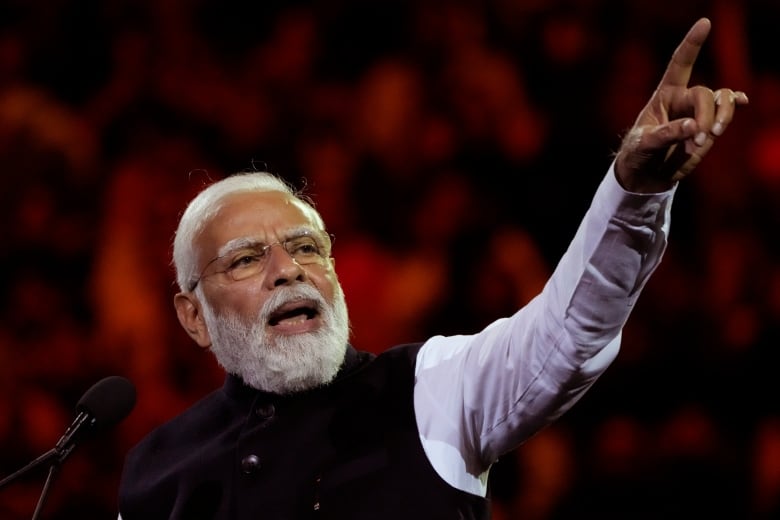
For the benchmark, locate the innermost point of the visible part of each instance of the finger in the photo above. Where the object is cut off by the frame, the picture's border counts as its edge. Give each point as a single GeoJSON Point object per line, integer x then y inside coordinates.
{"type": "Point", "coordinates": [681, 162]}
{"type": "Point", "coordinates": [703, 101]}
{"type": "Point", "coordinates": [678, 72]}
{"type": "Point", "coordinates": [726, 102]}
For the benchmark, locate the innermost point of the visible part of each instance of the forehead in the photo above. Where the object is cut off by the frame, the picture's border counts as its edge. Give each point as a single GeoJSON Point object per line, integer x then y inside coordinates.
{"type": "Point", "coordinates": [265, 216]}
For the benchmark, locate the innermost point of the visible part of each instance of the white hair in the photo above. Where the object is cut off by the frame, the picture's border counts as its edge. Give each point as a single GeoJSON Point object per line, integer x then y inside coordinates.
{"type": "Point", "coordinates": [207, 203]}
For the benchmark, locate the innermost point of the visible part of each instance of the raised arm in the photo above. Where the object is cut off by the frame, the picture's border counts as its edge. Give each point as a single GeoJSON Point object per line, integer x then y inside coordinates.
{"type": "Point", "coordinates": [478, 396]}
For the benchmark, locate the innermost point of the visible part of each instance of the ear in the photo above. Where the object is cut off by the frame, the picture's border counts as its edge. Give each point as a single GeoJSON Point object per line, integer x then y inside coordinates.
{"type": "Point", "coordinates": [188, 310]}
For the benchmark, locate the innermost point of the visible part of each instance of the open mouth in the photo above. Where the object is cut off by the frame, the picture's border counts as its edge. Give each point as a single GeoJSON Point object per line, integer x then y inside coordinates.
{"type": "Point", "coordinates": [294, 312]}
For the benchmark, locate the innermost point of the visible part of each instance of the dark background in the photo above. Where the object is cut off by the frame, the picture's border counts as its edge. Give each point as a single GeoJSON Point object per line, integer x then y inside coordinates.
{"type": "Point", "coordinates": [452, 147]}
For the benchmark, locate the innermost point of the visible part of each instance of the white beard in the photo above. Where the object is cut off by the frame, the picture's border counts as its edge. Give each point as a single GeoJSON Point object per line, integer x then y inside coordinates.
{"type": "Point", "coordinates": [281, 364]}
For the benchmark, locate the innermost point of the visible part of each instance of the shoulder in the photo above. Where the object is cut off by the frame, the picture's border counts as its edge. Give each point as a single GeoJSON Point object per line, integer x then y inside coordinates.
{"type": "Point", "coordinates": [359, 363]}
{"type": "Point", "coordinates": [199, 422]}
{"type": "Point", "coordinates": [401, 353]}
{"type": "Point", "coordinates": [386, 373]}
{"type": "Point", "coordinates": [394, 358]}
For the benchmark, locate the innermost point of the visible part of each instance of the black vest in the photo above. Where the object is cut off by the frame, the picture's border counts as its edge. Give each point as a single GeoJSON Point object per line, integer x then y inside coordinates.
{"type": "Point", "coordinates": [350, 450]}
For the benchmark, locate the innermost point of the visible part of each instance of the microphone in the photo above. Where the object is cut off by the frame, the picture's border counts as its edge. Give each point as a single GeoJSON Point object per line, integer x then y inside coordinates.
{"type": "Point", "coordinates": [105, 404]}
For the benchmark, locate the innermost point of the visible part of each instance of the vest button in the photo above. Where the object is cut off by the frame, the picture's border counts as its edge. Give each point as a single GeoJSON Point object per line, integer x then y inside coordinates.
{"type": "Point", "coordinates": [265, 411]}
{"type": "Point", "coordinates": [250, 464]}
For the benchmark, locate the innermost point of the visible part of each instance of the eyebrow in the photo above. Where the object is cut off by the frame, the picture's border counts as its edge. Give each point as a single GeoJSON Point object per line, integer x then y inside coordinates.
{"type": "Point", "coordinates": [253, 242]}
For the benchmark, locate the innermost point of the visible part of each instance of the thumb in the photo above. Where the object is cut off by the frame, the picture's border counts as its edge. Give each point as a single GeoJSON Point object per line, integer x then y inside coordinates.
{"type": "Point", "coordinates": [658, 138]}
{"type": "Point", "coordinates": [652, 156]}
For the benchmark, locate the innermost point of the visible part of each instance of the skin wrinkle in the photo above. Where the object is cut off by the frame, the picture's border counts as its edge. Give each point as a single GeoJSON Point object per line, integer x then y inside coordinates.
{"type": "Point", "coordinates": [245, 242]}
{"type": "Point", "coordinates": [233, 316]}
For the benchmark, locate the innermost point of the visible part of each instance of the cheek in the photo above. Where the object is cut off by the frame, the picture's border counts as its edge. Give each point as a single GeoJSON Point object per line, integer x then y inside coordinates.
{"type": "Point", "coordinates": [245, 300]}
{"type": "Point", "coordinates": [325, 282]}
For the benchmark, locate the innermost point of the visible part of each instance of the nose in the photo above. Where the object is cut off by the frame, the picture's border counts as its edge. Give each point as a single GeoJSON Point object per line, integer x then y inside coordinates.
{"type": "Point", "coordinates": [281, 268]}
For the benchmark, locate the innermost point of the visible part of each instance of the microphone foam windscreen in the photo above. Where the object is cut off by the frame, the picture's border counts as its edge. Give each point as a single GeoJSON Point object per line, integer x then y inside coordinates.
{"type": "Point", "coordinates": [109, 400]}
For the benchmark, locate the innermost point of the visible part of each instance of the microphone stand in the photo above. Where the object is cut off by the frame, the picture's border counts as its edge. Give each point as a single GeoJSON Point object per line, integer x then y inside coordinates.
{"type": "Point", "coordinates": [53, 471]}
{"type": "Point", "coordinates": [109, 400]}
{"type": "Point", "coordinates": [46, 457]}
{"type": "Point", "coordinates": [55, 456]}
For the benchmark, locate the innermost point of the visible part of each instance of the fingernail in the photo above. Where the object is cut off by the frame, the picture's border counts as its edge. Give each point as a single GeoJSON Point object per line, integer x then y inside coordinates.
{"type": "Point", "coordinates": [717, 128]}
{"type": "Point", "coordinates": [700, 138]}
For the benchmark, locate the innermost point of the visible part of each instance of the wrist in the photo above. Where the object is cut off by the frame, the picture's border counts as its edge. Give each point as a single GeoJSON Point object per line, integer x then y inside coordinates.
{"type": "Point", "coordinates": [636, 180]}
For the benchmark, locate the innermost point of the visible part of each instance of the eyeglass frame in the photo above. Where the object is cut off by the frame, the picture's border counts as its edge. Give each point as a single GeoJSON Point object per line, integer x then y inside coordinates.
{"type": "Point", "coordinates": [238, 244]}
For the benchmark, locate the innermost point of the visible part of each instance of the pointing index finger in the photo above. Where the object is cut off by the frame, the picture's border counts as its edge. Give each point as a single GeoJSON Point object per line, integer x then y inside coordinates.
{"type": "Point", "coordinates": [678, 72]}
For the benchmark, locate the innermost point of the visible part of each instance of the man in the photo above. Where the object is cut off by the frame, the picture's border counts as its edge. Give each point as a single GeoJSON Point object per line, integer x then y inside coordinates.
{"type": "Point", "coordinates": [307, 427]}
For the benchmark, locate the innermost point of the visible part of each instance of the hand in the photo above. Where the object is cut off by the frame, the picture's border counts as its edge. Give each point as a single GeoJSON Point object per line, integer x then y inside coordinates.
{"type": "Point", "coordinates": [679, 124]}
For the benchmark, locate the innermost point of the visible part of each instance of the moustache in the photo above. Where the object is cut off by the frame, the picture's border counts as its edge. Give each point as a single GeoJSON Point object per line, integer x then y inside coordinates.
{"type": "Point", "coordinates": [287, 295]}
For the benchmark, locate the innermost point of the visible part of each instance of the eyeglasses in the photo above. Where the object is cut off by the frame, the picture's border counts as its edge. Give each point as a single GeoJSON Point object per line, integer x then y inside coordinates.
{"type": "Point", "coordinates": [250, 259]}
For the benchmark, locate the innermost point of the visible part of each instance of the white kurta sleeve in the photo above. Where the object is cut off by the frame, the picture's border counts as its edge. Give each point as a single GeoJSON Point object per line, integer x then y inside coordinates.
{"type": "Point", "coordinates": [479, 396]}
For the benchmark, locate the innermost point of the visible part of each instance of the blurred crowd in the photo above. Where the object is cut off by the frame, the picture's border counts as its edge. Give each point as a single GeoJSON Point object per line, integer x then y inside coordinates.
{"type": "Point", "coordinates": [452, 146]}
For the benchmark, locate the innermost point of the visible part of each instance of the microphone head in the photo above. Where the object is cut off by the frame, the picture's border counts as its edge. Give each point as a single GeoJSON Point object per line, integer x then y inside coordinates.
{"type": "Point", "coordinates": [108, 401]}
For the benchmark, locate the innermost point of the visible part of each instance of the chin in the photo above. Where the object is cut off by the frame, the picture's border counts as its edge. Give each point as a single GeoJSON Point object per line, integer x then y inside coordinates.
{"type": "Point", "coordinates": [292, 363]}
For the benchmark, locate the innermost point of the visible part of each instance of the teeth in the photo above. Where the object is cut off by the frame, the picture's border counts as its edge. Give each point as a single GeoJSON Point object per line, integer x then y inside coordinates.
{"type": "Point", "coordinates": [294, 319]}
